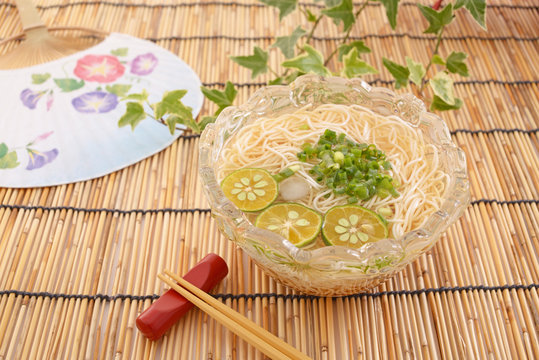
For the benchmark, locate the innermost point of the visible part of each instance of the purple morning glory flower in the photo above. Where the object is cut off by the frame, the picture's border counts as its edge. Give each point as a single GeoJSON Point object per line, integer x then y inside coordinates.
{"type": "Point", "coordinates": [30, 98]}
{"type": "Point", "coordinates": [143, 64]}
{"type": "Point", "coordinates": [39, 159]}
{"type": "Point", "coordinates": [95, 101]}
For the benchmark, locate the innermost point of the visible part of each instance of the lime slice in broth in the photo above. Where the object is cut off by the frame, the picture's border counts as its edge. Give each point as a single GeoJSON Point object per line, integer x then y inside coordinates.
{"type": "Point", "coordinates": [250, 189]}
{"type": "Point", "coordinates": [295, 222]}
{"type": "Point", "coordinates": [352, 226]}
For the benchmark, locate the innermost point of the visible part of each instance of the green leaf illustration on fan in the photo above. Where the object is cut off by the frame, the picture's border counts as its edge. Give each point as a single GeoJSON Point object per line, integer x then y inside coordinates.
{"type": "Point", "coordinates": [8, 159]}
{"type": "Point", "coordinates": [68, 85]}
{"type": "Point", "coordinates": [40, 78]}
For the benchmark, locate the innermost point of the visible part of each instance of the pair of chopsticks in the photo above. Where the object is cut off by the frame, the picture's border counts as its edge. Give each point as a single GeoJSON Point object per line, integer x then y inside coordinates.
{"type": "Point", "coordinates": [255, 335]}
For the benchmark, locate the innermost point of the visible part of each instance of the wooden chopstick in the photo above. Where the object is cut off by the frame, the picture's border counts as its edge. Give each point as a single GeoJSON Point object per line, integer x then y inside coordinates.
{"type": "Point", "coordinates": [255, 335]}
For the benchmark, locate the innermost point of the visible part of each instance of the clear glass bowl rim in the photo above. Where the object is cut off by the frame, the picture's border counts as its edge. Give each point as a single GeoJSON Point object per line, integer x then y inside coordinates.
{"type": "Point", "coordinates": [405, 249]}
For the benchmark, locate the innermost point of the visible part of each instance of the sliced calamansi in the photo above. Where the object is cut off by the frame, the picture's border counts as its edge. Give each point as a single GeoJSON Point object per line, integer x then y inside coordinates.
{"type": "Point", "coordinates": [251, 189]}
{"type": "Point", "coordinates": [296, 223]}
{"type": "Point", "coordinates": [352, 226]}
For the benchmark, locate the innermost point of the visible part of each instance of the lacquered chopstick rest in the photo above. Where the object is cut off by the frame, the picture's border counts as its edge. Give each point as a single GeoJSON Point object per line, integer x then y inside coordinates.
{"type": "Point", "coordinates": [171, 306]}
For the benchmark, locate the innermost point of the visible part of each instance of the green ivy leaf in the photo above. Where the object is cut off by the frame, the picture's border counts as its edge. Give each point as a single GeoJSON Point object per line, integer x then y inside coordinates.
{"type": "Point", "coordinates": [399, 72]}
{"type": "Point", "coordinates": [391, 7]}
{"type": "Point", "coordinates": [277, 81]}
{"type": "Point", "coordinates": [142, 97]}
{"type": "Point", "coordinates": [477, 8]}
{"type": "Point", "coordinates": [442, 85]}
{"type": "Point", "coordinates": [118, 89]}
{"type": "Point", "coordinates": [436, 19]}
{"type": "Point", "coordinates": [285, 6]}
{"type": "Point", "coordinates": [358, 45]}
{"type": "Point", "coordinates": [293, 76]}
{"type": "Point", "coordinates": [310, 16]}
{"type": "Point", "coordinates": [458, 4]}
{"type": "Point", "coordinates": [311, 61]}
{"type": "Point", "coordinates": [258, 62]}
{"type": "Point", "coordinates": [332, 3]}
{"type": "Point", "coordinates": [171, 104]}
{"type": "Point", "coordinates": [120, 51]}
{"type": "Point", "coordinates": [185, 119]}
{"type": "Point", "coordinates": [417, 71]}
{"type": "Point", "coordinates": [223, 98]}
{"type": "Point", "coordinates": [455, 63]}
{"type": "Point", "coordinates": [439, 104]}
{"type": "Point", "coordinates": [205, 121]}
{"type": "Point", "coordinates": [68, 84]}
{"type": "Point", "coordinates": [8, 159]}
{"type": "Point", "coordinates": [40, 78]}
{"type": "Point", "coordinates": [288, 43]}
{"type": "Point", "coordinates": [437, 59]}
{"type": "Point", "coordinates": [354, 66]}
{"type": "Point", "coordinates": [171, 122]}
{"type": "Point", "coordinates": [134, 114]}
{"type": "Point", "coordinates": [343, 12]}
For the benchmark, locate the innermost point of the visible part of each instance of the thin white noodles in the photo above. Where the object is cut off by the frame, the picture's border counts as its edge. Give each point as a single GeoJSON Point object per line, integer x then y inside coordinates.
{"type": "Point", "coordinates": [273, 144]}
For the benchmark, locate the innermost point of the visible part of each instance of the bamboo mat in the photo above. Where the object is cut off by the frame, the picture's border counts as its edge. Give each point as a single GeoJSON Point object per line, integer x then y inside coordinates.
{"type": "Point", "coordinates": [79, 262]}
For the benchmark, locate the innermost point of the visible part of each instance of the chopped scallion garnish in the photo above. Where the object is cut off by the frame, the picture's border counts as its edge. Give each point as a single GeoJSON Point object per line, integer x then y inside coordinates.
{"type": "Point", "coordinates": [357, 170]}
{"type": "Point", "coordinates": [286, 173]}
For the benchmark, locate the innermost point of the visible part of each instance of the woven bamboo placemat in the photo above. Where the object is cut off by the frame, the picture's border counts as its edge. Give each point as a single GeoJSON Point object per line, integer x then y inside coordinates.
{"type": "Point", "coordinates": [79, 262]}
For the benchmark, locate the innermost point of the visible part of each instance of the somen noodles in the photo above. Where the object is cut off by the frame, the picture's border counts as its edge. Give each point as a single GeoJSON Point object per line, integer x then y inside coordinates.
{"type": "Point", "coordinates": [274, 143]}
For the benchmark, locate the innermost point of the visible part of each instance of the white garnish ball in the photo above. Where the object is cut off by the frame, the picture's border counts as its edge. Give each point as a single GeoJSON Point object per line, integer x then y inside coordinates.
{"type": "Point", "coordinates": [294, 188]}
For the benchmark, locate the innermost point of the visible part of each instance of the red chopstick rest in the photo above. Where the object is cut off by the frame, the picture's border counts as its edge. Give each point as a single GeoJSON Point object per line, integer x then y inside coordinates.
{"type": "Point", "coordinates": [171, 306]}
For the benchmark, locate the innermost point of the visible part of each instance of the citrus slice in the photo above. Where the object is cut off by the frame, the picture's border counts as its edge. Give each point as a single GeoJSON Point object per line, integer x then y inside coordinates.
{"type": "Point", "coordinates": [250, 189]}
{"type": "Point", "coordinates": [352, 226]}
{"type": "Point", "coordinates": [296, 223]}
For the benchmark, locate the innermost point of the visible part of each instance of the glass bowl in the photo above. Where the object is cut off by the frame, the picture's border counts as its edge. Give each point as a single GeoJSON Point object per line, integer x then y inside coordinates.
{"type": "Point", "coordinates": [332, 270]}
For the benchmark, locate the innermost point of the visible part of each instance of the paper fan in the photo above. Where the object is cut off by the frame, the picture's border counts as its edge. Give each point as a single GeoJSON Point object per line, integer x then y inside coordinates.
{"type": "Point", "coordinates": [59, 120]}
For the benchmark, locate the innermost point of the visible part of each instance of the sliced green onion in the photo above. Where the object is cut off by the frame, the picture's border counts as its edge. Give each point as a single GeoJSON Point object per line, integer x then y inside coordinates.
{"type": "Point", "coordinates": [347, 167]}
{"type": "Point", "coordinates": [385, 212]}
{"type": "Point", "coordinates": [286, 173]}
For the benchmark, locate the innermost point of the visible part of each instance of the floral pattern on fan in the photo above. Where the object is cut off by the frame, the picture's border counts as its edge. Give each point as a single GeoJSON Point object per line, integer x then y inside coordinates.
{"type": "Point", "coordinates": [91, 73]}
{"type": "Point", "coordinates": [99, 68]}
{"type": "Point", "coordinates": [9, 157]}
{"type": "Point", "coordinates": [95, 102]}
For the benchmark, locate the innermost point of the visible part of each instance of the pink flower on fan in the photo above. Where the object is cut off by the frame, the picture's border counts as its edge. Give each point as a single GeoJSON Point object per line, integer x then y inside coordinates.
{"type": "Point", "coordinates": [50, 100]}
{"type": "Point", "coordinates": [41, 137]}
{"type": "Point", "coordinates": [144, 64]}
{"type": "Point", "coordinates": [99, 68]}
